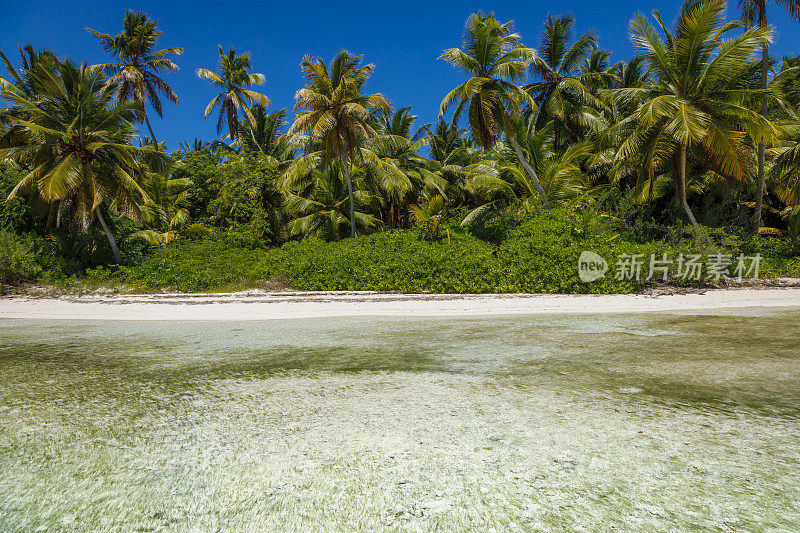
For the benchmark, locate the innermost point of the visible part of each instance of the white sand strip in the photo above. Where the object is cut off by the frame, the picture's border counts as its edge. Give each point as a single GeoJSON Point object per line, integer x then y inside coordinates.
{"type": "Point", "coordinates": [254, 305]}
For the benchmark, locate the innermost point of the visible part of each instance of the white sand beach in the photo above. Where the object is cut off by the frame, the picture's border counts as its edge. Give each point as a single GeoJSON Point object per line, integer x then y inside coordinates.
{"type": "Point", "coordinates": [256, 305]}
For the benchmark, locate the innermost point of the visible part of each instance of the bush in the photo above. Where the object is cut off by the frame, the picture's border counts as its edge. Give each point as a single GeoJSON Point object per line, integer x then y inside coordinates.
{"type": "Point", "coordinates": [538, 256]}
{"type": "Point", "coordinates": [193, 266]}
{"type": "Point", "coordinates": [390, 261]}
{"type": "Point", "coordinates": [17, 259]}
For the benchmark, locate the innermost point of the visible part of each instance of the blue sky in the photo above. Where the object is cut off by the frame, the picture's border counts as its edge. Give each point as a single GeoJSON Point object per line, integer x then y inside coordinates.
{"type": "Point", "coordinates": [402, 40]}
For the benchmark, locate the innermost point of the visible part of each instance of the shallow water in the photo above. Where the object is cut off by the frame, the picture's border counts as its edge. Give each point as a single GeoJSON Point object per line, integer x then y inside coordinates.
{"type": "Point", "coordinates": [629, 422]}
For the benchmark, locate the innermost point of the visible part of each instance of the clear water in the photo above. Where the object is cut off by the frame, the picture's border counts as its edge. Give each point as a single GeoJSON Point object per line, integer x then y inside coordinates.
{"type": "Point", "coordinates": [636, 423]}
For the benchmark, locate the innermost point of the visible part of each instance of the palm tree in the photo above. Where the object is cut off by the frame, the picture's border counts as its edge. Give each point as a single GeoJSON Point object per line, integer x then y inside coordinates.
{"type": "Point", "coordinates": [74, 141]}
{"type": "Point", "coordinates": [756, 11]}
{"type": "Point", "coordinates": [693, 97]}
{"type": "Point", "coordinates": [788, 80]}
{"type": "Point", "coordinates": [22, 81]}
{"type": "Point", "coordinates": [428, 215]}
{"type": "Point", "coordinates": [559, 170]}
{"type": "Point", "coordinates": [233, 78]}
{"type": "Point", "coordinates": [195, 145]}
{"type": "Point", "coordinates": [445, 140]}
{"type": "Point", "coordinates": [597, 72]}
{"type": "Point", "coordinates": [318, 206]}
{"type": "Point", "coordinates": [337, 115]}
{"type": "Point", "coordinates": [562, 90]}
{"type": "Point", "coordinates": [397, 172]}
{"type": "Point", "coordinates": [492, 56]}
{"type": "Point", "coordinates": [136, 71]}
{"type": "Point", "coordinates": [784, 173]}
{"type": "Point", "coordinates": [168, 211]}
{"type": "Point", "coordinates": [262, 134]}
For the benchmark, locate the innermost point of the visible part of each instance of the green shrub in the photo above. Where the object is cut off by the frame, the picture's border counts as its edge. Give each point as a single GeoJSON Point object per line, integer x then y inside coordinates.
{"type": "Point", "coordinates": [538, 256]}
{"type": "Point", "coordinates": [389, 261]}
{"type": "Point", "coordinates": [17, 259]}
{"type": "Point", "coordinates": [192, 266]}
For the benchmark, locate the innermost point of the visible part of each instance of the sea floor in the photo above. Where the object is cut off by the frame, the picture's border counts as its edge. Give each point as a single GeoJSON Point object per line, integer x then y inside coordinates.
{"type": "Point", "coordinates": [652, 422]}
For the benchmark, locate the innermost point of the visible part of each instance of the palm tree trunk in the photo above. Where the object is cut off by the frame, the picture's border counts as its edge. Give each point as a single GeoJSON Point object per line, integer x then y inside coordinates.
{"type": "Point", "coordinates": [513, 140]}
{"type": "Point", "coordinates": [681, 186]}
{"type": "Point", "coordinates": [233, 123]}
{"type": "Point", "coordinates": [51, 215]}
{"type": "Point", "coordinates": [346, 168]}
{"type": "Point", "coordinates": [762, 21]}
{"type": "Point", "coordinates": [109, 236]}
{"type": "Point", "coordinates": [150, 128]}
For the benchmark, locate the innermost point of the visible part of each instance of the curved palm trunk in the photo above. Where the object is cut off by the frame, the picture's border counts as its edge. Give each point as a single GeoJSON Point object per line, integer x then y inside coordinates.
{"type": "Point", "coordinates": [513, 140]}
{"type": "Point", "coordinates": [346, 169]}
{"type": "Point", "coordinates": [762, 21]}
{"type": "Point", "coordinates": [680, 184]}
{"type": "Point", "coordinates": [109, 236]}
{"type": "Point", "coordinates": [150, 128]}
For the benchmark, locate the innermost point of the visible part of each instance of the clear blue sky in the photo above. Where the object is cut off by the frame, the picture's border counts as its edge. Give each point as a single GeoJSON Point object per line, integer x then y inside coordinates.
{"type": "Point", "coordinates": [402, 40]}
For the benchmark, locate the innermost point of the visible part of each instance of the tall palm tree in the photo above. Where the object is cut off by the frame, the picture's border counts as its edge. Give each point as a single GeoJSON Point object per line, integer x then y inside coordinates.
{"type": "Point", "coordinates": [494, 58]}
{"type": "Point", "coordinates": [337, 115]}
{"type": "Point", "coordinates": [756, 11]}
{"type": "Point", "coordinates": [136, 72]}
{"type": "Point", "coordinates": [785, 169]}
{"type": "Point", "coordinates": [233, 79]}
{"type": "Point", "coordinates": [74, 140]}
{"type": "Point", "coordinates": [562, 89]}
{"type": "Point", "coordinates": [693, 99]}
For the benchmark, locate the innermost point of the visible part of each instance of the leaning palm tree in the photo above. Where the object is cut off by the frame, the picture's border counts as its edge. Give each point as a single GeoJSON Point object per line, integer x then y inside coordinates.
{"type": "Point", "coordinates": [693, 98]}
{"type": "Point", "coordinates": [137, 68]}
{"type": "Point", "coordinates": [73, 138]}
{"type": "Point", "coordinates": [559, 170]}
{"type": "Point", "coordinates": [756, 11]}
{"type": "Point", "coordinates": [337, 115]}
{"type": "Point", "coordinates": [233, 79]}
{"type": "Point", "coordinates": [492, 56]}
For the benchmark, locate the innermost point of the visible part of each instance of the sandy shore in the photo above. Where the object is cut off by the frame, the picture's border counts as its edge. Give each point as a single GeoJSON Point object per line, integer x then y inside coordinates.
{"type": "Point", "coordinates": [254, 305]}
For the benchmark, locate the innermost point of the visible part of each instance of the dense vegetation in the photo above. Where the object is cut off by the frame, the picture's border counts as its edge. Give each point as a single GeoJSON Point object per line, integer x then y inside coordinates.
{"type": "Point", "coordinates": [691, 146]}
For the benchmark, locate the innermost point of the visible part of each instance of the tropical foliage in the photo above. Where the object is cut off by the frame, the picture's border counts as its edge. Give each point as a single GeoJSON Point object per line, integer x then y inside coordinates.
{"type": "Point", "coordinates": [136, 72]}
{"type": "Point", "coordinates": [695, 139]}
{"type": "Point", "coordinates": [233, 79]}
{"type": "Point", "coordinates": [337, 115]}
{"type": "Point", "coordinates": [73, 141]}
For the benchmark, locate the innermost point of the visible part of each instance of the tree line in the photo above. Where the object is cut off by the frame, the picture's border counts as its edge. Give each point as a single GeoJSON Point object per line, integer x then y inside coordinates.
{"type": "Point", "coordinates": [701, 127]}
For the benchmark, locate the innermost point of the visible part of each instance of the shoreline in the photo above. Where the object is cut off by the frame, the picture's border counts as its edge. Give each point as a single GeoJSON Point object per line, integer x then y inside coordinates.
{"type": "Point", "coordinates": [261, 305]}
